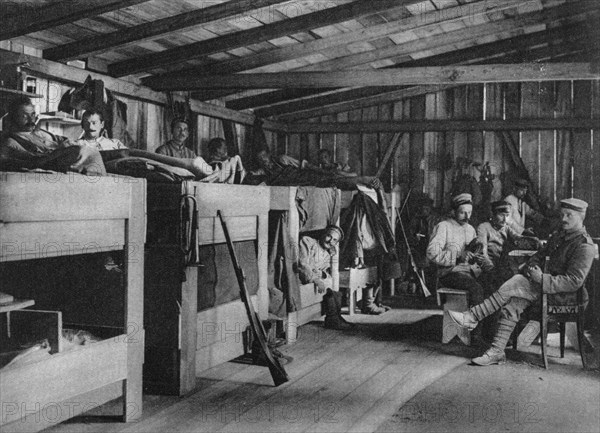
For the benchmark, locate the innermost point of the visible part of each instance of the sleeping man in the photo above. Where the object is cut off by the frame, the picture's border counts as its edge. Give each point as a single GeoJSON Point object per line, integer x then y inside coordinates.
{"type": "Point", "coordinates": [25, 145]}
{"type": "Point", "coordinates": [283, 170]}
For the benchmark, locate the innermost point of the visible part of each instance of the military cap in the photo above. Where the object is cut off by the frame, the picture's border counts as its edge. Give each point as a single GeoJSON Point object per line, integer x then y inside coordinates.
{"type": "Point", "coordinates": [336, 228]}
{"type": "Point", "coordinates": [501, 206]}
{"type": "Point", "coordinates": [574, 204]}
{"type": "Point", "coordinates": [521, 183]}
{"type": "Point", "coordinates": [460, 199]}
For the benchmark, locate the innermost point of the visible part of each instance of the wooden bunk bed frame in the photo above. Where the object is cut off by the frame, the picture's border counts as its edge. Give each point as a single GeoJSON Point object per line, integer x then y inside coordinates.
{"type": "Point", "coordinates": [182, 341]}
{"type": "Point", "coordinates": [75, 214]}
{"type": "Point", "coordinates": [283, 198]}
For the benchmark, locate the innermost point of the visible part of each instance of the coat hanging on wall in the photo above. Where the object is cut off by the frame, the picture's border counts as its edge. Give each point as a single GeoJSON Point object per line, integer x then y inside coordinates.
{"type": "Point", "coordinates": [93, 94]}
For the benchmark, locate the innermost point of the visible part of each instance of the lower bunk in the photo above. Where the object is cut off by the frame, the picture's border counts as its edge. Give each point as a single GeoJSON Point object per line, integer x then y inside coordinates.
{"type": "Point", "coordinates": [194, 316]}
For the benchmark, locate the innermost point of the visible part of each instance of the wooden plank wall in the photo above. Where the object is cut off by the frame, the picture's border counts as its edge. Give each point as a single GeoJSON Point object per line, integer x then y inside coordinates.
{"type": "Point", "coordinates": [560, 163]}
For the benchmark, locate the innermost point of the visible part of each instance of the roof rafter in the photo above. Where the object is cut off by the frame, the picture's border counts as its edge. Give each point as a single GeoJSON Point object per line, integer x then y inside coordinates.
{"type": "Point", "coordinates": [471, 53]}
{"type": "Point", "coordinates": [517, 49]}
{"type": "Point", "coordinates": [255, 35]}
{"type": "Point", "coordinates": [393, 77]}
{"type": "Point", "coordinates": [289, 52]}
{"type": "Point", "coordinates": [56, 14]}
{"type": "Point", "coordinates": [100, 43]}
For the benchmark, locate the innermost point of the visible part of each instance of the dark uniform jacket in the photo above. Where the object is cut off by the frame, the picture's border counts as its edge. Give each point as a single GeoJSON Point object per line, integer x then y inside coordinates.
{"type": "Point", "coordinates": [571, 256]}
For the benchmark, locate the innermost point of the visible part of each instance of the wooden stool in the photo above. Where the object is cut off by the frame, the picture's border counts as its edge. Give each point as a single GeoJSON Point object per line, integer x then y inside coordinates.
{"type": "Point", "coordinates": [354, 280]}
{"type": "Point", "coordinates": [456, 300]}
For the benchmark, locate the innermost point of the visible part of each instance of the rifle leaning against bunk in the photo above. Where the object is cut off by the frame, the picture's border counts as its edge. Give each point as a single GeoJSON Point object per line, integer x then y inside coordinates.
{"type": "Point", "coordinates": [413, 264]}
{"type": "Point", "coordinates": [278, 373]}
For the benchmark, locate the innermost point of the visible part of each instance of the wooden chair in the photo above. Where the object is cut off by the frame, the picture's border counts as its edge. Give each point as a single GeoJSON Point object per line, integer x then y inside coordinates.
{"type": "Point", "coordinates": [561, 312]}
{"type": "Point", "coordinates": [354, 280]}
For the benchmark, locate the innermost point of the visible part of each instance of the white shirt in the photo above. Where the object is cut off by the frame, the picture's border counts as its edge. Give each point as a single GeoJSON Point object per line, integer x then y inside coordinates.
{"type": "Point", "coordinates": [101, 143]}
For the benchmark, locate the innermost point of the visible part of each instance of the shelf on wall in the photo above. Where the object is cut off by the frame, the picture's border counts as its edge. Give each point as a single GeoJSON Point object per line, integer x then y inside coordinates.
{"type": "Point", "coordinates": [17, 304]}
{"type": "Point", "coordinates": [20, 92]}
{"type": "Point", "coordinates": [58, 119]}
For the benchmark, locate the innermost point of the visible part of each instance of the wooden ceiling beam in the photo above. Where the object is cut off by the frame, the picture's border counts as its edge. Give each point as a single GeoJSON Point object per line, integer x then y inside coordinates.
{"type": "Point", "coordinates": [255, 35]}
{"type": "Point", "coordinates": [518, 44]}
{"type": "Point", "coordinates": [73, 76]}
{"type": "Point", "coordinates": [495, 73]}
{"type": "Point", "coordinates": [56, 14]}
{"type": "Point", "coordinates": [565, 11]}
{"type": "Point", "coordinates": [312, 111]}
{"type": "Point", "coordinates": [570, 50]}
{"type": "Point", "coordinates": [442, 125]}
{"type": "Point", "coordinates": [101, 43]}
{"type": "Point", "coordinates": [432, 19]}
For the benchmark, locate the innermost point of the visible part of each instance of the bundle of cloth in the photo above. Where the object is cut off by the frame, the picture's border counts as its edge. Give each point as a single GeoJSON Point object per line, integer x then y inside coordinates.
{"type": "Point", "coordinates": [152, 166]}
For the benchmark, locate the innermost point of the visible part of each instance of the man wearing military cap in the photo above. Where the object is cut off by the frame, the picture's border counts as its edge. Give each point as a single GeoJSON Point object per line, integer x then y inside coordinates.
{"type": "Point", "coordinates": [570, 251]}
{"type": "Point", "coordinates": [494, 236]}
{"type": "Point", "coordinates": [520, 210]}
{"type": "Point", "coordinates": [458, 267]}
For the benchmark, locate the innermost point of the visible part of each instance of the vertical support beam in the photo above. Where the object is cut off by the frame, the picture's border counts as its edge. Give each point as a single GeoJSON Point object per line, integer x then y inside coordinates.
{"type": "Point", "coordinates": [262, 239]}
{"type": "Point", "coordinates": [188, 317]}
{"type": "Point", "coordinates": [135, 235]}
{"type": "Point", "coordinates": [294, 238]}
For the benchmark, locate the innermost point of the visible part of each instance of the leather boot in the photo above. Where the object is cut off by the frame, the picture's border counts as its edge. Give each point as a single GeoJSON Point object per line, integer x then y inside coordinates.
{"type": "Point", "coordinates": [368, 302]}
{"type": "Point", "coordinates": [332, 307]}
{"type": "Point", "coordinates": [495, 354]}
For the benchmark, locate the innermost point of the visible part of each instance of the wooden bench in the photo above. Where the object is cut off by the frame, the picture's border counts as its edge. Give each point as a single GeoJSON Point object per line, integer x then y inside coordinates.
{"type": "Point", "coordinates": [456, 300]}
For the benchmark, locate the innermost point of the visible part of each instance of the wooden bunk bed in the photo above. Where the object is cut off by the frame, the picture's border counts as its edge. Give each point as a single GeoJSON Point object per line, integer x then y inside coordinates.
{"type": "Point", "coordinates": [183, 337]}
{"type": "Point", "coordinates": [43, 217]}
{"type": "Point", "coordinates": [283, 198]}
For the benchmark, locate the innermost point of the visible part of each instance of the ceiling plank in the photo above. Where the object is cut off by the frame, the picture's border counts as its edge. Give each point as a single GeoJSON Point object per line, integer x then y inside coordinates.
{"type": "Point", "coordinates": [520, 72]}
{"type": "Point", "coordinates": [56, 14]}
{"type": "Point", "coordinates": [571, 9]}
{"type": "Point", "coordinates": [349, 100]}
{"type": "Point", "coordinates": [101, 43]}
{"type": "Point", "coordinates": [447, 39]}
{"type": "Point", "coordinates": [442, 125]}
{"type": "Point", "coordinates": [72, 76]}
{"type": "Point", "coordinates": [254, 35]}
{"type": "Point", "coordinates": [520, 44]}
{"type": "Point", "coordinates": [362, 35]}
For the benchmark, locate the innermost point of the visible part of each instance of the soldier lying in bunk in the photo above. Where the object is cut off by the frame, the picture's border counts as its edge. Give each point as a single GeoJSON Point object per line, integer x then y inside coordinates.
{"type": "Point", "coordinates": [25, 145]}
{"type": "Point", "coordinates": [219, 159]}
{"type": "Point", "coordinates": [283, 170]}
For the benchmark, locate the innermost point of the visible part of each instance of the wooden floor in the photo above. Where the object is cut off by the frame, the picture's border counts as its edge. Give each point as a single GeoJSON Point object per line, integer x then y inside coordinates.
{"type": "Point", "coordinates": [353, 381]}
{"type": "Point", "coordinates": [340, 381]}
